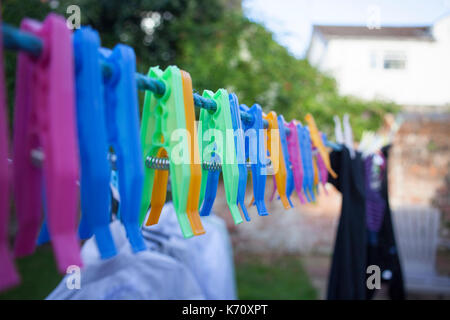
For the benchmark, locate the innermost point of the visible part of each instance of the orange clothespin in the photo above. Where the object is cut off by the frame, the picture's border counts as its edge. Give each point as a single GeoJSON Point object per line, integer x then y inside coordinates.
{"type": "Point", "coordinates": [276, 156]}
{"type": "Point", "coordinates": [318, 143]}
{"type": "Point", "coordinates": [196, 169]}
{"type": "Point", "coordinates": [159, 194]}
{"type": "Point", "coordinates": [316, 174]}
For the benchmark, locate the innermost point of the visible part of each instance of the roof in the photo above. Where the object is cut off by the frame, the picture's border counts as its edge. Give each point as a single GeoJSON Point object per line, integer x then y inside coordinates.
{"type": "Point", "coordinates": [419, 33]}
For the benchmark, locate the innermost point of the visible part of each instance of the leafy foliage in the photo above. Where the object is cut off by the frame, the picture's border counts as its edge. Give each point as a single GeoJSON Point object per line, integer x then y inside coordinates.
{"type": "Point", "coordinates": [220, 48]}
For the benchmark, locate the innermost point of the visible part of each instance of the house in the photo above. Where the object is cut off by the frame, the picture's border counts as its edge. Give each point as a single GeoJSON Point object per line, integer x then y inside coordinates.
{"type": "Point", "coordinates": [407, 65]}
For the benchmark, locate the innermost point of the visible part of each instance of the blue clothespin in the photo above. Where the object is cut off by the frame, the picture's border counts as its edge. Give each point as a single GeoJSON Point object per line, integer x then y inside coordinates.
{"type": "Point", "coordinates": [93, 142]}
{"type": "Point", "coordinates": [211, 189]}
{"type": "Point", "coordinates": [255, 152]}
{"type": "Point", "coordinates": [122, 119]}
{"type": "Point", "coordinates": [305, 147]}
{"type": "Point", "coordinates": [240, 152]}
{"type": "Point", "coordinates": [329, 144]}
{"type": "Point", "coordinates": [310, 162]}
{"type": "Point", "coordinates": [284, 148]}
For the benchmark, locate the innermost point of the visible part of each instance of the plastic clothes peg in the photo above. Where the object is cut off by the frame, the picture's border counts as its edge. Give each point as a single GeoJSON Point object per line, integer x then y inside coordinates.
{"type": "Point", "coordinates": [44, 119]}
{"type": "Point", "coordinates": [122, 121]}
{"type": "Point", "coordinates": [276, 156]}
{"type": "Point", "coordinates": [316, 138]}
{"type": "Point", "coordinates": [255, 152]}
{"type": "Point", "coordinates": [305, 147]}
{"type": "Point", "coordinates": [295, 158]}
{"type": "Point", "coordinates": [284, 148]}
{"type": "Point", "coordinates": [348, 135]}
{"type": "Point", "coordinates": [161, 117]}
{"type": "Point", "coordinates": [210, 192]}
{"type": "Point", "coordinates": [8, 274]}
{"type": "Point", "coordinates": [93, 142]}
{"type": "Point", "coordinates": [338, 130]}
{"type": "Point", "coordinates": [323, 172]}
{"type": "Point", "coordinates": [316, 171]}
{"type": "Point", "coordinates": [158, 196]}
{"type": "Point", "coordinates": [216, 126]}
{"type": "Point", "coordinates": [240, 152]}
{"type": "Point", "coordinates": [310, 162]}
{"type": "Point", "coordinates": [196, 169]}
{"type": "Point", "coordinates": [272, 196]}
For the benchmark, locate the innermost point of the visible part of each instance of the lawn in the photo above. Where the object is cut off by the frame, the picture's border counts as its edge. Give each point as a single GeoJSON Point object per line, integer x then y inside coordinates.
{"type": "Point", "coordinates": [39, 276]}
{"type": "Point", "coordinates": [257, 277]}
{"type": "Point", "coordinates": [281, 277]}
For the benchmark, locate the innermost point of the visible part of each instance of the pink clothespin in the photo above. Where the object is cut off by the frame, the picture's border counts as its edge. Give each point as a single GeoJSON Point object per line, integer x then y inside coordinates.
{"type": "Point", "coordinates": [8, 273]}
{"type": "Point", "coordinates": [45, 120]}
{"type": "Point", "coordinates": [274, 190]}
{"type": "Point", "coordinates": [296, 159]}
{"type": "Point", "coordinates": [323, 172]}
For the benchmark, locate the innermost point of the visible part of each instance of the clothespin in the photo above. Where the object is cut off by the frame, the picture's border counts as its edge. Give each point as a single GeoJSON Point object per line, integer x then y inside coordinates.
{"type": "Point", "coordinates": [309, 162]}
{"type": "Point", "coordinates": [213, 168]}
{"type": "Point", "coordinates": [240, 152]}
{"type": "Point", "coordinates": [295, 156]}
{"type": "Point", "coordinates": [348, 135]}
{"type": "Point", "coordinates": [323, 172]}
{"type": "Point", "coordinates": [305, 147]}
{"type": "Point", "coordinates": [274, 190]}
{"type": "Point", "coordinates": [122, 120]}
{"type": "Point", "coordinates": [255, 152]}
{"type": "Point", "coordinates": [44, 120]}
{"type": "Point", "coordinates": [284, 147]}
{"type": "Point", "coordinates": [8, 274]}
{"type": "Point", "coordinates": [276, 156]}
{"type": "Point", "coordinates": [162, 116]}
{"type": "Point", "coordinates": [193, 149]}
{"type": "Point", "coordinates": [216, 127]}
{"type": "Point", "coordinates": [318, 143]}
{"type": "Point", "coordinates": [316, 171]}
{"type": "Point", "coordinates": [211, 187]}
{"type": "Point", "coordinates": [93, 142]}
{"type": "Point", "coordinates": [338, 130]}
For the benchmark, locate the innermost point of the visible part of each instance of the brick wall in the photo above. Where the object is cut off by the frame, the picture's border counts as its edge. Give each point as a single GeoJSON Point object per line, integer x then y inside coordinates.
{"type": "Point", "coordinates": [419, 163]}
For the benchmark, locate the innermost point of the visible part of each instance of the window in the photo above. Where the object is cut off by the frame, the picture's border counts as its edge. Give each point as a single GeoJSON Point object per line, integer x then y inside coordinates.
{"type": "Point", "coordinates": [394, 60]}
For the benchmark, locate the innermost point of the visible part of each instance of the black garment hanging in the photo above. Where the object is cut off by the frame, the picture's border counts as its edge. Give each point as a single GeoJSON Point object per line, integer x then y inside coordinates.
{"type": "Point", "coordinates": [384, 252]}
{"type": "Point", "coordinates": [352, 251]}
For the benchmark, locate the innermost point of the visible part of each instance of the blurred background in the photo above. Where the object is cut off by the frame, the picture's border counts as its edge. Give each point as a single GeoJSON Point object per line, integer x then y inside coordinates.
{"type": "Point", "coordinates": [375, 60]}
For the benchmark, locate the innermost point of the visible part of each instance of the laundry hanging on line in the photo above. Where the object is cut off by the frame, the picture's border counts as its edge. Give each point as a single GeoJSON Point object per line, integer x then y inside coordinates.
{"type": "Point", "coordinates": [95, 90]}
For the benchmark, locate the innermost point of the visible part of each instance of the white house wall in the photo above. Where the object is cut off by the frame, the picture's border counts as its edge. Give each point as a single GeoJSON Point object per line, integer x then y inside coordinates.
{"type": "Point", "coordinates": [425, 80]}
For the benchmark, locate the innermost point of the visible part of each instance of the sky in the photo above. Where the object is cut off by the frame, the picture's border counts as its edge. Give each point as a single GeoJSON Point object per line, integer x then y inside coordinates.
{"type": "Point", "coordinates": [291, 20]}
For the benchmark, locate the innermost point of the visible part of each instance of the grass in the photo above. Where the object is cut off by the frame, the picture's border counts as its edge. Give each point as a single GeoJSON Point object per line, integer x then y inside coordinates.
{"type": "Point", "coordinates": [38, 273]}
{"type": "Point", "coordinates": [283, 278]}
{"type": "Point", "coordinates": [257, 277]}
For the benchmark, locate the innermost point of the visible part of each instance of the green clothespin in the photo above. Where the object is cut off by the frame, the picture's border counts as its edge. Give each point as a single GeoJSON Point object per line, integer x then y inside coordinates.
{"type": "Point", "coordinates": [162, 115]}
{"type": "Point", "coordinates": [216, 136]}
